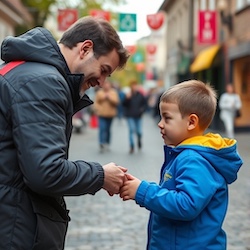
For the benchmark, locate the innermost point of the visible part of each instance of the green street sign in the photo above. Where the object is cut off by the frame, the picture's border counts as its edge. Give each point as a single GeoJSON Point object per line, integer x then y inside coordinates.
{"type": "Point", "coordinates": [127, 22]}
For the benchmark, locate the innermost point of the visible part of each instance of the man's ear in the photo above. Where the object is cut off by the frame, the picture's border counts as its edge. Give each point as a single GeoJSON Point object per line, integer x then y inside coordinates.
{"type": "Point", "coordinates": [86, 48]}
{"type": "Point", "coordinates": [193, 121]}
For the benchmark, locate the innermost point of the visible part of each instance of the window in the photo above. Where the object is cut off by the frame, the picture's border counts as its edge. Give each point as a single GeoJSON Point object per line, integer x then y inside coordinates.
{"type": "Point", "coordinates": [246, 79]}
{"type": "Point", "coordinates": [241, 4]}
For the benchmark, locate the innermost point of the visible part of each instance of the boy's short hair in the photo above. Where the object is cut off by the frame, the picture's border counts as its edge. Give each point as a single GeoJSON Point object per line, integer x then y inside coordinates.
{"type": "Point", "coordinates": [193, 97]}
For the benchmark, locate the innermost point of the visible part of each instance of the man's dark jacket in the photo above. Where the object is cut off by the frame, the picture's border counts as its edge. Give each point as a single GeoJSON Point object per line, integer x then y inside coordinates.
{"type": "Point", "coordinates": [37, 101]}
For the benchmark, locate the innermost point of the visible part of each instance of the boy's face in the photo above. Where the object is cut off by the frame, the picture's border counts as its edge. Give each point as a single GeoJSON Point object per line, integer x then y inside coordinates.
{"type": "Point", "coordinates": [174, 127]}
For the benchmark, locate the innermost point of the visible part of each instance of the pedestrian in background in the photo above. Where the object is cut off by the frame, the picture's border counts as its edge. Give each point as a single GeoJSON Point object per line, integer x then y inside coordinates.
{"type": "Point", "coordinates": [135, 104]}
{"type": "Point", "coordinates": [157, 114]}
{"type": "Point", "coordinates": [189, 204]}
{"type": "Point", "coordinates": [42, 84]}
{"type": "Point", "coordinates": [152, 98]}
{"type": "Point", "coordinates": [105, 107]}
{"type": "Point", "coordinates": [229, 103]}
{"type": "Point", "coordinates": [120, 109]}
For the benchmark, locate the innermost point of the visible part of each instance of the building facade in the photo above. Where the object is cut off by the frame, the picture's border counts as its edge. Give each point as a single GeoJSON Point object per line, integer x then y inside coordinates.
{"type": "Point", "coordinates": [12, 14]}
{"type": "Point", "coordinates": [178, 40]}
{"type": "Point", "coordinates": [215, 49]}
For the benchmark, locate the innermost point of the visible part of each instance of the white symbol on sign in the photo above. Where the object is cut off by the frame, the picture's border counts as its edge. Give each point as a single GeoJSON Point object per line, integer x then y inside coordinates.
{"type": "Point", "coordinates": [128, 23]}
{"type": "Point", "coordinates": [207, 32]}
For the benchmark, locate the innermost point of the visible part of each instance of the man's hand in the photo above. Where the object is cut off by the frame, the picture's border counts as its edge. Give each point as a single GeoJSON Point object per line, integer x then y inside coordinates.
{"type": "Point", "coordinates": [114, 177]}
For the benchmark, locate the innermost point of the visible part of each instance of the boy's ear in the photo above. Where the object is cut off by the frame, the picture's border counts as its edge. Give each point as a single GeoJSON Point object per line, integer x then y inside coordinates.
{"type": "Point", "coordinates": [193, 121]}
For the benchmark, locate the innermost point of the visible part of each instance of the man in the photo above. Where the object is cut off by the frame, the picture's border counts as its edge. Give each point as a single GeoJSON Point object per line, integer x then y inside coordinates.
{"type": "Point", "coordinates": [105, 106]}
{"type": "Point", "coordinates": [135, 105]}
{"type": "Point", "coordinates": [39, 93]}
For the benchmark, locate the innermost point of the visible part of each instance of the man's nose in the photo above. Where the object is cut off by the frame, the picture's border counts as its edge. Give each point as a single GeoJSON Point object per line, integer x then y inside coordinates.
{"type": "Point", "coordinates": [102, 80]}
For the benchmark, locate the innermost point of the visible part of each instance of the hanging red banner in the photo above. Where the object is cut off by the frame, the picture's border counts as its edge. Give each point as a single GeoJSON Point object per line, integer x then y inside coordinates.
{"type": "Point", "coordinates": [131, 49]}
{"type": "Point", "coordinates": [100, 14]}
{"type": "Point", "coordinates": [155, 21]}
{"type": "Point", "coordinates": [151, 48]}
{"type": "Point", "coordinates": [207, 31]}
{"type": "Point", "coordinates": [66, 17]}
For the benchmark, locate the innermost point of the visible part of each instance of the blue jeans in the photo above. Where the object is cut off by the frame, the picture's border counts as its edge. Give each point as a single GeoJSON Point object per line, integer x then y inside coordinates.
{"type": "Point", "coordinates": [135, 127]}
{"type": "Point", "coordinates": [105, 129]}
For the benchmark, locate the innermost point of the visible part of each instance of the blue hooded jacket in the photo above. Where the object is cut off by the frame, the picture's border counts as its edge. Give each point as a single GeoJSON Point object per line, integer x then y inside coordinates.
{"type": "Point", "coordinates": [189, 204]}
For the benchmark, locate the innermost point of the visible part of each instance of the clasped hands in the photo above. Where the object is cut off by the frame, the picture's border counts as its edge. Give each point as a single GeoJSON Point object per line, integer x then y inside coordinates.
{"type": "Point", "coordinates": [118, 181]}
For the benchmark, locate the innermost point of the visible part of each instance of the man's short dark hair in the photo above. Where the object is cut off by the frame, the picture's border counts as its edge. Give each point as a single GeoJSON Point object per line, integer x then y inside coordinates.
{"type": "Point", "coordinates": [100, 32]}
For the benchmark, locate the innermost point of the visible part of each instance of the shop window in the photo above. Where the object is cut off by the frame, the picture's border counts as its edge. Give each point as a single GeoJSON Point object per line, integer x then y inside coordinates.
{"type": "Point", "coordinates": [246, 80]}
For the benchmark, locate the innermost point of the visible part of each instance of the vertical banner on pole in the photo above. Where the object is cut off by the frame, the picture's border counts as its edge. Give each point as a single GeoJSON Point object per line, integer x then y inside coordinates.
{"type": "Point", "coordinates": [207, 30]}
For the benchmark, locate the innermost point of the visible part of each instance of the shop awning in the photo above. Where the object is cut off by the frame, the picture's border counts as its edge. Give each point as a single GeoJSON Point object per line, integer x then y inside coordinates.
{"type": "Point", "coordinates": [204, 59]}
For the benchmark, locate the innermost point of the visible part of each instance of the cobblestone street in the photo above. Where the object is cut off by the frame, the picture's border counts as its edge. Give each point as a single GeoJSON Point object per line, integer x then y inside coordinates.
{"type": "Point", "coordinates": [103, 222]}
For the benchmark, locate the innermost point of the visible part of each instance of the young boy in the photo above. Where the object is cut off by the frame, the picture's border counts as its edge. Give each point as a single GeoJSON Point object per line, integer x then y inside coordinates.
{"type": "Point", "coordinates": [189, 204]}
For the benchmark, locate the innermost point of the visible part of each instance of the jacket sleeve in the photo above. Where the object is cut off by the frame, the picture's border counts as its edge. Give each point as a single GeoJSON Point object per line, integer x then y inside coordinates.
{"type": "Point", "coordinates": [114, 98]}
{"type": "Point", "coordinates": [144, 103]}
{"type": "Point", "coordinates": [238, 103]}
{"type": "Point", "coordinates": [225, 102]}
{"type": "Point", "coordinates": [39, 110]}
{"type": "Point", "coordinates": [98, 102]}
{"type": "Point", "coordinates": [192, 188]}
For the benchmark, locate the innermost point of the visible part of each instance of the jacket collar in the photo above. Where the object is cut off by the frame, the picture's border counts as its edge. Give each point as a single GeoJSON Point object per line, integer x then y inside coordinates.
{"type": "Point", "coordinates": [75, 82]}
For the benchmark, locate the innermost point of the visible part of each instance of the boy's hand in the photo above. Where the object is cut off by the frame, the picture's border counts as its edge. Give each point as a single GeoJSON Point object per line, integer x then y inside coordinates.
{"type": "Point", "coordinates": [128, 190]}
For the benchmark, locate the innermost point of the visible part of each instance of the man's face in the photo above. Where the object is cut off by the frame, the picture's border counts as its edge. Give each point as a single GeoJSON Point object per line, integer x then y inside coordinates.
{"type": "Point", "coordinates": [97, 70]}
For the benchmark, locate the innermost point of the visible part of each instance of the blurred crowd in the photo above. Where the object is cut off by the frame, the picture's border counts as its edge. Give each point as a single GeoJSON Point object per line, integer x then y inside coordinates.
{"type": "Point", "coordinates": [128, 103]}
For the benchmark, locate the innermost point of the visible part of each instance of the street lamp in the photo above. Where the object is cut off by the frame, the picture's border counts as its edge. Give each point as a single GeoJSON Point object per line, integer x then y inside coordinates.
{"type": "Point", "coordinates": [226, 19]}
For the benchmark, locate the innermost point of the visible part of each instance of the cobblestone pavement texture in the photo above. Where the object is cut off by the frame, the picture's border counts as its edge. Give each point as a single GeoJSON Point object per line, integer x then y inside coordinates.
{"type": "Point", "coordinates": [104, 222]}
